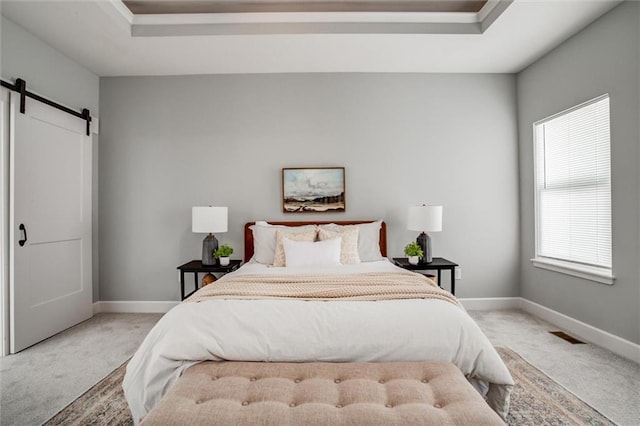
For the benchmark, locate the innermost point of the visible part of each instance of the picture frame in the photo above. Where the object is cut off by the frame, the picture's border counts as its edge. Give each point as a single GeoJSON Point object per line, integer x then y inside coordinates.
{"type": "Point", "coordinates": [313, 190]}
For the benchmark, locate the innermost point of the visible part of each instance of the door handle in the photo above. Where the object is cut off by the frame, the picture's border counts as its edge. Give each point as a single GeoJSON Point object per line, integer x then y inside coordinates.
{"type": "Point", "coordinates": [23, 229]}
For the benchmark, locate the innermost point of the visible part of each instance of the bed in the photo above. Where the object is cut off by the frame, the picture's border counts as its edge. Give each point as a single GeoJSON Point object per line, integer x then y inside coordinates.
{"type": "Point", "coordinates": [314, 309]}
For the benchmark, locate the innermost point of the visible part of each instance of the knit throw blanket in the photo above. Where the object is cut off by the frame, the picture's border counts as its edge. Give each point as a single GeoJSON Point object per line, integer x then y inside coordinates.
{"type": "Point", "coordinates": [366, 286]}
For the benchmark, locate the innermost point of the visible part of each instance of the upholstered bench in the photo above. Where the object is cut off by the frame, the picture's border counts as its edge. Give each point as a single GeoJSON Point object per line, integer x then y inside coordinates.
{"type": "Point", "coordinates": [256, 393]}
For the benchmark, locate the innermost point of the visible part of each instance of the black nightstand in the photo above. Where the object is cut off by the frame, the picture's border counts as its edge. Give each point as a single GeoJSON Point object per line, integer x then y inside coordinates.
{"type": "Point", "coordinates": [438, 264]}
{"type": "Point", "coordinates": [195, 267]}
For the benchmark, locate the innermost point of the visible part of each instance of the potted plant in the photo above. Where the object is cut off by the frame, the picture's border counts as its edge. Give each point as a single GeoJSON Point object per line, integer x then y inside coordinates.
{"type": "Point", "coordinates": [414, 252]}
{"type": "Point", "coordinates": [223, 252]}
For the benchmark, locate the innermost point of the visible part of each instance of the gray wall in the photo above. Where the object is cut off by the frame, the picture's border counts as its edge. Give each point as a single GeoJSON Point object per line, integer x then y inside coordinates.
{"type": "Point", "coordinates": [51, 74]}
{"type": "Point", "coordinates": [603, 58]}
{"type": "Point", "coordinates": [170, 143]}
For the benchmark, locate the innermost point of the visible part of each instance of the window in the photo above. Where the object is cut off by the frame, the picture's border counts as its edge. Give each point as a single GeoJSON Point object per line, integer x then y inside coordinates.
{"type": "Point", "coordinates": [573, 191]}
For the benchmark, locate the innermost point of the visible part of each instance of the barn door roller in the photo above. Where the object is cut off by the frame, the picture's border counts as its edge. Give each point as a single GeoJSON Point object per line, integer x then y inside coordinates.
{"type": "Point", "coordinates": [20, 86]}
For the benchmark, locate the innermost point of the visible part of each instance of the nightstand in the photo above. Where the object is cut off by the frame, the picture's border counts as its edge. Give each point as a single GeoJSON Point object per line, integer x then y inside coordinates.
{"type": "Point", "coordinates": [438, 264]}
{"type": "Point", "coordinates": [195, 267]}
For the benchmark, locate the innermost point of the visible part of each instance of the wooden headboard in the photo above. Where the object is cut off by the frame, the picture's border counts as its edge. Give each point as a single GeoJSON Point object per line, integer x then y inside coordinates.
{"type": "Point", "coordinates": [248, 234]}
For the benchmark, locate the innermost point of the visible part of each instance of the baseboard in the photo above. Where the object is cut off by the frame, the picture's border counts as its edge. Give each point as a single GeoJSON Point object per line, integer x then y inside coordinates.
{"type": "Point", "coordinates": [584, 331]}
{"type": "Point", "coordinates": [490, 303]}
{"type": "Point", "coordinates": [150, 307]}
{"type": "Point", "coordinates": [589, 333]}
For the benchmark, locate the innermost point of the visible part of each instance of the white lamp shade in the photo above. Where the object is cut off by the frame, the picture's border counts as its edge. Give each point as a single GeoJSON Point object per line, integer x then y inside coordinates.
{"type": "Point", "coordinates": [209, 219]}
{"type": "Point", "coordinates": [425, 218]}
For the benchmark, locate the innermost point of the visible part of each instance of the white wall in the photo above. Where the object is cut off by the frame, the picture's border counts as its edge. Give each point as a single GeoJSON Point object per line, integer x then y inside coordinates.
{"type": "Point", "coordinates": [170, 143]}
{"type": "Point", "coordinates": [603, 58]}
{"type": "Point", "coordinates": [55, 76]}
{"type": "Point", "coordinates": [46, 71]}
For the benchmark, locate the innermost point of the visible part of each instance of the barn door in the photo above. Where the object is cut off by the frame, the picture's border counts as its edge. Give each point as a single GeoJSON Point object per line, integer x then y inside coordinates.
{"type": "Point", "coordinates": [50, 223]}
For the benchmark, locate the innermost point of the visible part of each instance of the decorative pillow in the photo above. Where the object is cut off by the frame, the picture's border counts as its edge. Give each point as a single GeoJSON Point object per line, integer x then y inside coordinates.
{"type": "Point", "coordinates": [368, 239]}
{"type": "Point", "coordinates": [279, 258]}
{"type": "Point", "coordinates": [349, 247]}
{"type": "Point", "coordinates": [264, 239]}
{"type": "Point", "coordinates": [306, 253]}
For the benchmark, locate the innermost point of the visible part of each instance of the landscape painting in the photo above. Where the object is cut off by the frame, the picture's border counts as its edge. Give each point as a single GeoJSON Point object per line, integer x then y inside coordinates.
{"type": "Point", "coordinates": [313, 190]}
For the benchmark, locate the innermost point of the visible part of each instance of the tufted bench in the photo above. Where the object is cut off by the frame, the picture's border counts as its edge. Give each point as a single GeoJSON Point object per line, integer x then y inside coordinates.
{"type": "Point", "coordinates": [256, 393]}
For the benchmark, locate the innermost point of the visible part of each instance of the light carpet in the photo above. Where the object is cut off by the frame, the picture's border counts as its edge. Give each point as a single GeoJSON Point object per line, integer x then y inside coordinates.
{"type": "Point", "coordinates": [535, 400]}
{"type": "Point", "coordinates": [597, 376]}
{"type": "Point", "coordinates": [37, 382]}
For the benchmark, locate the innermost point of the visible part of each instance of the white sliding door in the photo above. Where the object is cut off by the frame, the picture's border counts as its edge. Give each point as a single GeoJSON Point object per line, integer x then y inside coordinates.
{"type": "Point", "coordinates": [4, 222]}
{"type": "Point", "coordinates": [50, 222]}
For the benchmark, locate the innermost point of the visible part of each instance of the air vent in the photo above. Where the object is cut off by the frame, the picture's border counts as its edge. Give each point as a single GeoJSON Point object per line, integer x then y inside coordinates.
{"type": "Point", "coordinates": [565, 336]}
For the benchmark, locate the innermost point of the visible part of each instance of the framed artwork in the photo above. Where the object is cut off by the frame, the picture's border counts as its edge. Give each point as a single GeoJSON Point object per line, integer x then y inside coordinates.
{"type": "Point", "coordinates": [313, 190]}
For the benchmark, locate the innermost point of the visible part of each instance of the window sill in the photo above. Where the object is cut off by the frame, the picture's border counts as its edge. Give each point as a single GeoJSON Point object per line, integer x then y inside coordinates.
{"type": "Point", "coordinates": [581, 271]}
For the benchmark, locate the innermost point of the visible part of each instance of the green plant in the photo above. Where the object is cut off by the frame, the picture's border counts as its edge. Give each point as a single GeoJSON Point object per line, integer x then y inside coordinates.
{"type": "Point", "coordinates": [224, 250]}
{"type": "Point", "coordinates": [413, 249]}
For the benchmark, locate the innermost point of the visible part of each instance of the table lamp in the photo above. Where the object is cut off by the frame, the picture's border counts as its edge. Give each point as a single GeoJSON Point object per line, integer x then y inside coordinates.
{"type": "Point", "coordinates": [209, 220]}
{"type": "Point", "coordinates": [425, 219]}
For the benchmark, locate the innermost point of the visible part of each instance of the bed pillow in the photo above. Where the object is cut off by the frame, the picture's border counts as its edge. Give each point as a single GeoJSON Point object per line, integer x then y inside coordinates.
{"type": "Point", "coordinates": [307, 253]}
{"type": "Point", "coordinates": [368, 239]}
{"type": "Point", "coordinates": [279, 258]}
{"type": "Point", "coordinates": [349, 245]}
{"type": "Point", "coordinates": [264, 239]}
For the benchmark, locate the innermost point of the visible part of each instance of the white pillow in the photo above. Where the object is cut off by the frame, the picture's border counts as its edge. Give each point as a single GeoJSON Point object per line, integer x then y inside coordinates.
{"type": "Point", "coordinates": [279, 259]}
{"type": "Point", "coordinates": [368, 239]}
{"type": "Point", "coordinates": [306, 253]}
{"type": "Point", "coordinates": [264, 239]}
{"type": "Point", "coordinates": [349, 247]}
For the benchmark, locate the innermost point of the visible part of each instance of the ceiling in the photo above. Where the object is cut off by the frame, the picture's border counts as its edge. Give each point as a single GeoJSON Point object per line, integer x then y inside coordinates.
{"type": "Point", "coordinates": [268, 36]}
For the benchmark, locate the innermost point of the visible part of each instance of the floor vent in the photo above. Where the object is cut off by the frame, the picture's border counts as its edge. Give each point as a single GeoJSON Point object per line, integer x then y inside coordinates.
{"type": "Point", "coordinates": [565, 336]}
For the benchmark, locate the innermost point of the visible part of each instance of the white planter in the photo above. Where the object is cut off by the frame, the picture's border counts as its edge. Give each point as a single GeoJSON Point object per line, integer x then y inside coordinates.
{"type": "Point", "coordinates": [414, 260]}
{"type": "Point", "coordinates": [224, 261]}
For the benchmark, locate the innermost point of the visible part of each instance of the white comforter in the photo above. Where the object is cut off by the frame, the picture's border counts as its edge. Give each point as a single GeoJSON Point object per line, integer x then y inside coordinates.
{"type": "Point", "coordinates": [297, 330]}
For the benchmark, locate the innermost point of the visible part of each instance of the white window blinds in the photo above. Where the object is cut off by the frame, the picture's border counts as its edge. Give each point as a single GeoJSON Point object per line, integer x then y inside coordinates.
{"type": "Point", "coordinates": [573, 185]}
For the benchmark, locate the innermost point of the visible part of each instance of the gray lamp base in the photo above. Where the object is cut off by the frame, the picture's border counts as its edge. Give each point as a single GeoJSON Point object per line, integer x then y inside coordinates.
{"type": "Point", "coordinates": [424, 241]}
{"type": "Point", "coordinates": [209, 245]}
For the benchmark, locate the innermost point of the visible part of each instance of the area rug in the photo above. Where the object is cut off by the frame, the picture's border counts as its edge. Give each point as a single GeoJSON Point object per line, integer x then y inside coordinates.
{"type": "Point", "coordinates": [102, 405]}
{"type": "Point", "coordinates": [536, 400]}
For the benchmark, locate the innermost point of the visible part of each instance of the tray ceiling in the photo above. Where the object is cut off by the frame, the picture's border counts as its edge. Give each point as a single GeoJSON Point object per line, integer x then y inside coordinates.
{"type": "Point", "coordinates": [144, 7]}
{"type": "Point", "coordinates": [503, 36]}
